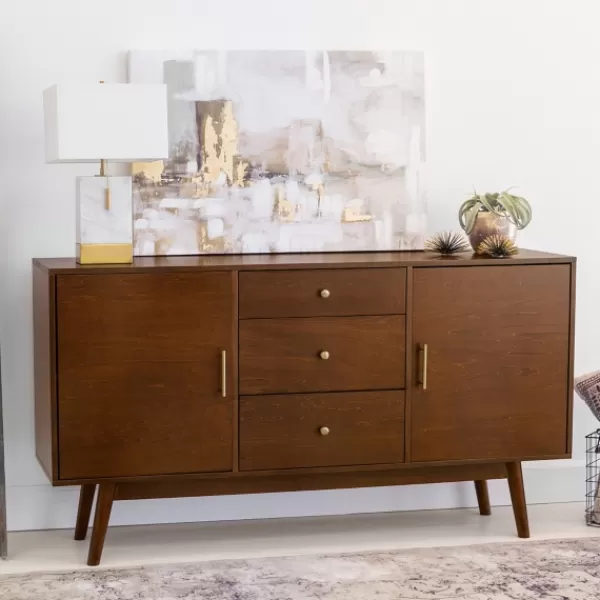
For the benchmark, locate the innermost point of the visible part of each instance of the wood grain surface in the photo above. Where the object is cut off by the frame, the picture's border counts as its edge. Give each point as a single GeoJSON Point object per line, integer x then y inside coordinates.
{"type": "Point", "coordinates": [139, 369]}
{"type": "Point", "coordinates": [104, 503]}
{"type": "Point", "coordinates": [84, 510]}
{"type": "Point", "coordinates": [283, 355]}
{"type": "Point", "coordinates": [517, 495]}
{"type": "Point", "coordinates": [272, 294]}
{"type": "Point", "coordinates": [483, 498]}
{"type": "Point", "coordinates": [284, 431]}
{"type": "Point", "coordinates": [44, 371]}
{"type": "Point", "coordinates": [308, 479]}
{"type": "Point", "coordinates": [498, 342]}
{"type": "Point", "coordinates": [323, 260]}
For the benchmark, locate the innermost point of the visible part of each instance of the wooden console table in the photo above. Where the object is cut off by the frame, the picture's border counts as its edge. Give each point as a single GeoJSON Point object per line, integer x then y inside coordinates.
{"type": "Point", "coordinates": [194, 376]}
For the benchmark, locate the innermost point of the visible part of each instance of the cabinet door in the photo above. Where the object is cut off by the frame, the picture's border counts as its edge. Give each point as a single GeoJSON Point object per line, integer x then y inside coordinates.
{"type": "Point", "coordinates": [140, 374]}
{"type": "Point", "coordinates": [497, 362]}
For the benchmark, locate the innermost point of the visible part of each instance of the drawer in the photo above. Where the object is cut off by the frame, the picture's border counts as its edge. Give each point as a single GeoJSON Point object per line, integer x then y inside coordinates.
{"type": "Point", "coordinates": [287, 355]}
{"type": "Point", "coordinates": [322, 292]}
{"type": "Point", "coordinates": [321, 430]}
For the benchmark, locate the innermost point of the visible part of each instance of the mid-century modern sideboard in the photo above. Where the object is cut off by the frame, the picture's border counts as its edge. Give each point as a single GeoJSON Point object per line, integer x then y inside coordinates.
{"type": "Point", "coordinates": [195, 376]}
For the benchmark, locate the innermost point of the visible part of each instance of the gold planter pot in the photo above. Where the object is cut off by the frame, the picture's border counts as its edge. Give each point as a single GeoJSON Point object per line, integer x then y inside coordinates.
{"type": "Point", "coordinates": [487, 224]}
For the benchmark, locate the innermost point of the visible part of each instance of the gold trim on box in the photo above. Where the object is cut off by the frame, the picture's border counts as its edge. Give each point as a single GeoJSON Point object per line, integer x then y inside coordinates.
{"type": "Point", "coordinates": [98, 254]}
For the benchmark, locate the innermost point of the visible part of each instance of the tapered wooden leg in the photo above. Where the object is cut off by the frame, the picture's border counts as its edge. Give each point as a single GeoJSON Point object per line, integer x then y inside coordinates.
{"type": "Point", "coordinates": [517, 495]}
{"type": "Point", "coordinates": [86, 499]}
{"type": "Point", "coordinates": [483, 497]}
{"type": "Point", "coordinates": [106, 495]}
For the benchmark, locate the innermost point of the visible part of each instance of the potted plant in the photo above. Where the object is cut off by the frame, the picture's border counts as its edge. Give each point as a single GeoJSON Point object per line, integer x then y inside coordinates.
{"type": "Point", "coordinates": [483, 215]}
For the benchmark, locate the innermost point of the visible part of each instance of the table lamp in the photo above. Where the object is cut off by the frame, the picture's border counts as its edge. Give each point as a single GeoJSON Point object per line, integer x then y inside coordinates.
{"type": "Point", "coordinates": [120, 122]}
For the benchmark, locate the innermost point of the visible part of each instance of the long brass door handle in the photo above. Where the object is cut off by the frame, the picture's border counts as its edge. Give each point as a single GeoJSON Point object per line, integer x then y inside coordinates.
{"type": "Point", "coordinates": [423, 365]}
{"type": "Point", "coordinates": [224, 373]}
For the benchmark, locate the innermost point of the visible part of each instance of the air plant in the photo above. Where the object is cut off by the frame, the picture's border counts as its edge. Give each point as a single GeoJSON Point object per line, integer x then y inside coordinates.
{"type": "Point", "coordinates": [497, 246]}
{"type": "Point", "coordinates": [447, 243]}
{"type": "Point", "coordinates": [514, 208]}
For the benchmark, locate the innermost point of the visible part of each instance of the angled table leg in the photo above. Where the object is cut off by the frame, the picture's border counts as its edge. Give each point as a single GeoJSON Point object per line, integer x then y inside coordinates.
{"type": "Point", "coordinates": [86, 499]}
{"type": "Point", "coordinates": [483, 497]}
{"type": "Point", "coordinates": [106, 496]}
{"type": "Point", "coordinates": [517, 495]}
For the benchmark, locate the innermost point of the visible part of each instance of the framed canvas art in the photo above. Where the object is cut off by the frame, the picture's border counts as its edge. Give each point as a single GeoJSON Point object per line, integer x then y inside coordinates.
{"type": "Point", "coordinates": [284, 151]}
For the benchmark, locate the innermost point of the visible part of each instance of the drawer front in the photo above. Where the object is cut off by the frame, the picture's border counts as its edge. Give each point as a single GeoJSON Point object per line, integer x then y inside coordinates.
{"type": "Point", "coordinates": [322, 292]}
{"type": "Point", "coordinates": [288, 355]}
{"type": "Point", "coordinates": [320, 430]}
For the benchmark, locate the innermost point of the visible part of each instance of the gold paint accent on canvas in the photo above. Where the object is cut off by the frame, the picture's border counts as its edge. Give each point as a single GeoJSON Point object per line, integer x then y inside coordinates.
{"type": "Point", "coordinates": [205, 244]}
{"type": "Point", "coordinates": [151, 170]}
{"type": "Point", "coordinates": [218, 141]}
{"type": "Point", "coordinates": [283, 209]}
{"type": "Point", "coordinates": [239, 167]}
{"type": "Point", "coordinates": [229, 140]}
{"type": "Point", "coordinates": [210, 150]}
{"type": "Point", "coordinates": [99, 254]}
{"type": "Point", "coordinates": [351, 215]}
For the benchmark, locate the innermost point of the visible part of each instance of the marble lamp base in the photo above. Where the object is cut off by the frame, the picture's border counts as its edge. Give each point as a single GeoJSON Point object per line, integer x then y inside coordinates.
{"type": "Point", "coordinates": [104, 227]}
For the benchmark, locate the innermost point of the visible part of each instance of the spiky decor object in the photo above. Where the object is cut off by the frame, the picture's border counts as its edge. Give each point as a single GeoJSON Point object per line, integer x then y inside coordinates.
{"type": "Point", "coordinates": [447, 242]}
{"type": "Point", "coordinates": [497, 246]}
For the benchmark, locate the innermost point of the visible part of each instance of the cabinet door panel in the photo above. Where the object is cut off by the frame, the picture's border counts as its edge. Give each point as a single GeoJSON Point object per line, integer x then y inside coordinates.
{"type": "Point", "coordinates": [139, 374]}
{"type": "Point", "coordinates": [498, 356]}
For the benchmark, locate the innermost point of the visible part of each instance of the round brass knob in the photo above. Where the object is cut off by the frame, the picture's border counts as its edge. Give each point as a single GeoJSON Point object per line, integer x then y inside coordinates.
{"type": "Point", "coordinates": [324, 355]}
{"type": "Point", "coordinates": [324, 293]}
{"type": "Point", "coordinates": [324, 430]}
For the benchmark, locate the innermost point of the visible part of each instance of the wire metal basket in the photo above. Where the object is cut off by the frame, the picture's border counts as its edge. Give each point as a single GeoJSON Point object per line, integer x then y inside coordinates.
{"type": "Point", "coordinates": [592, 479]}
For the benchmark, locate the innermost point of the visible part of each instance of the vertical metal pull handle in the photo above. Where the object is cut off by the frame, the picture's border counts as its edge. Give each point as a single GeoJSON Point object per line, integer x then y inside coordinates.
{"type": "Point", "coordinates": [423, 356]}
{"type": "Point", "coordinates": [224, 373]}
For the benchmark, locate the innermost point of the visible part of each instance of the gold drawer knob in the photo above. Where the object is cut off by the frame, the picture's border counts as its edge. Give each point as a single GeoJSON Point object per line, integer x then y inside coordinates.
{"type": "Point", "coordinates": [325, 293]}
{"type": "Point", "coordinates": [324, 430]}
{"type": "Point", "coordinates": [324, 355]}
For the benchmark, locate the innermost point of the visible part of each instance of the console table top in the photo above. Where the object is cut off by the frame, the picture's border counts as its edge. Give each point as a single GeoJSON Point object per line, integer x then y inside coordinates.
{"type": "Point", "coordinates": [298, 261]}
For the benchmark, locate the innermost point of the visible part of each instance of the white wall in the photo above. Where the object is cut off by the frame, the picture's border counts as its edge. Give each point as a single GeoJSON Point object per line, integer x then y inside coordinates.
{"type": "Point", "coordinates": [513, 100]}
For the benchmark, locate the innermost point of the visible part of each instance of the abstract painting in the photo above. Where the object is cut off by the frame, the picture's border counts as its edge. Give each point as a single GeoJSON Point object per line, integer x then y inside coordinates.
{"type": "Point", "coordinates": [284, 151]}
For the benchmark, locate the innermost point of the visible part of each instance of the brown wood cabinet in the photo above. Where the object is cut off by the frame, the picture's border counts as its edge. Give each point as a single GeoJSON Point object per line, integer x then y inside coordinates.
{"type": "Point", "coordinates": [189, 376]}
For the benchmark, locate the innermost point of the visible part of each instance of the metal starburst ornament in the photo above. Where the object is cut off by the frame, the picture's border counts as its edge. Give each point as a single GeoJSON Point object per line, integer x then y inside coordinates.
{"type": "Point", "coordinates": [447, 242]}
{"type": "Point", "coordinates": [497, 246]}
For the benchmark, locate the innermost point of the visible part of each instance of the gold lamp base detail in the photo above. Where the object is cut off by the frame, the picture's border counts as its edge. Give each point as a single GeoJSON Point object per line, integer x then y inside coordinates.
{"type": "Point", "coordinates": [102, 254]}
{"type": "Point", "coordinates": [104, 230]}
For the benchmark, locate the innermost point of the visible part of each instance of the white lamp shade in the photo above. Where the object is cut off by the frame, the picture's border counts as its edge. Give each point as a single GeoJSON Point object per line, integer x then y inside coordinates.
{"type": "Point", "coordinates": [120, 122]}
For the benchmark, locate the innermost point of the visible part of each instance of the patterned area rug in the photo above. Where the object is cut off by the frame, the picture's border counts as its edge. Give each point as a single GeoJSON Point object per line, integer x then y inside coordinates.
{"type": "Point", "coordinates": [565, 570]}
